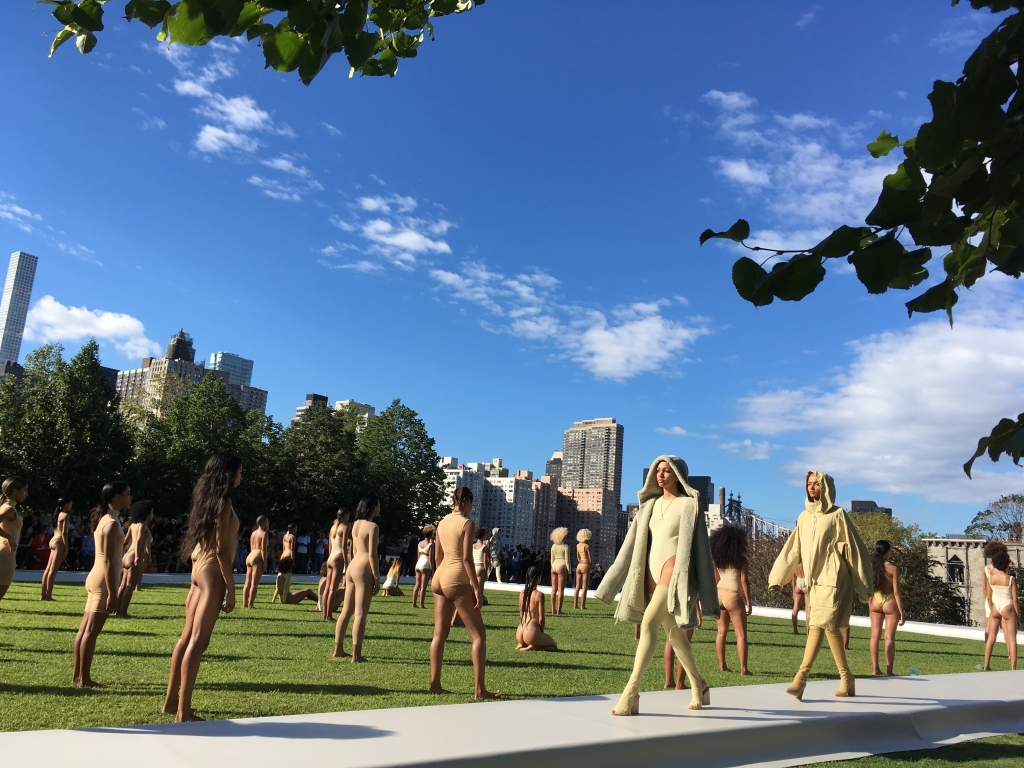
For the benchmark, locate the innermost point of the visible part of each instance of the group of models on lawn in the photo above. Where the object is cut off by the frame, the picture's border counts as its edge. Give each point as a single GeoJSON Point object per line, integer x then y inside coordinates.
{"type": "Point", "coordinates": [668, 572]}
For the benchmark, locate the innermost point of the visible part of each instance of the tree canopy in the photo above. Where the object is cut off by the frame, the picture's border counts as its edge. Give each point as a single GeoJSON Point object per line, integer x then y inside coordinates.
{"type": "Point", "coordinates": [294, 34]}
{"type": "Point", "coordinates": [959, 188]}
{"type": "Point", "coordinates": [1003, 519]}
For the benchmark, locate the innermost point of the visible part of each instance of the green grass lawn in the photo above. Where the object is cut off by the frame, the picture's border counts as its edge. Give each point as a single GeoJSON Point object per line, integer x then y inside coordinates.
{"type": "Point", "coordinates": [275, 659]}
{"type": "Point", "coordinates": [997, 752]}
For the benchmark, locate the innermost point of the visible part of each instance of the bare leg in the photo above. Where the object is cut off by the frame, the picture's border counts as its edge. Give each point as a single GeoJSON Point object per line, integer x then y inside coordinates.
{"type": "Point", "coordinates": [1009, 623]}
{"type": "Point", "coordinates": [796, 612]}
{"type": "Point", "coordinates": [576, 591]}
{"type": "Point", "coordinates": [669, 661]}
{"type": "Point", "coordinates": [332, 584]}
{"type": "Point", "coordinates": [363, 593]}
{"type": "Point", "coordinates": [347, 609]}
{"type": "Point", "coordinates": [992, 630]}
{"type": "Point", "coordinates": [877, 617]}
{"type": "Point", "coordinates": [465, 603]}
{"type": "Point", "coordinates": [554, 581]}
{"type": "Point", "coordinates": [739, 625]}
{"type": "Point", "coordinates": [890, 640]}
{"type": "Point", "coordinates": [561, 589]}
{"type": "Point", "coordinates": [846, 638]}
{"type": "Point", "coordinates": [174, 678]}
{"type": "Point", "coordinates": [210, 595]}
{"type": "Point", "coordinates": [85, 647]}
{"type": "Point", "coordinates": [723, 630]}
{"type": "Point", "coordinates": [297, 597]}
{"type": "Point", "coordinates": [444, 610]}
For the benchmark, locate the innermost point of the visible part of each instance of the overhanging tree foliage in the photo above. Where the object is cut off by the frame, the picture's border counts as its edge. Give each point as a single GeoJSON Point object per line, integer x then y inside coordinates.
{"type": "Point", "coordinates": [1003, 519]}
{"type": "Point", "coordinates": [970, 205]}
{"type": "Point", "coordinates": [294, 34]}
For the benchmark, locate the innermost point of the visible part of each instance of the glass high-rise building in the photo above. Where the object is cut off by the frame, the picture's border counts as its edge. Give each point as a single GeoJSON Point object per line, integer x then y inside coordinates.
{"type": "Point", "coordinates": [239, 369]}
{"type": "Point", "coordinates": [14, 307]}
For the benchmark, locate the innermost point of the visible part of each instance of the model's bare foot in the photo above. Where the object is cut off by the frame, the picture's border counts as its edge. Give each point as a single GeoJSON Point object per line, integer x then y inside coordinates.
{"type": "Point", "coordinates": [669, 686]}
{"type": "Point", "coordinates": [725, 668]}
{"type": "Point", "coordinates": [90, 684]}
{"type": "Point", "coordinates": [488, 695]}
{"type": "Point", "coordinates": [339, 654]}
{"type": "Point", "coordinates": [189, 717]}
{"type": "Point", "coordinates": [438, 689]}
{"type": "Point", "coordinates": [360, 659]}
{"type": "Point", "coordinates": [170, 708]}
{"type": "Point", "coordinates": [877, 673]}
{"type": "Point", "coordinates": [889, 673]}
{"type": "Point", "coordinates": [745, 673]}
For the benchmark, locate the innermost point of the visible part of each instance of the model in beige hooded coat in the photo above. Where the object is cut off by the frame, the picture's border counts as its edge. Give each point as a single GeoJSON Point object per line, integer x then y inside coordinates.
{"type": "Point", "coordinates": [674, 606]}
{"type": "Point", "coordinates": [836, 566]}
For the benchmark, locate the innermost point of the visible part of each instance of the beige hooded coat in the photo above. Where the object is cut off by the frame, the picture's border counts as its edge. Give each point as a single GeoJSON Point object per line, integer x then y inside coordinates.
{"type": "Point", "coordinates": [694, 572]}
{"type": "Point", "coordinates": [836, 562]}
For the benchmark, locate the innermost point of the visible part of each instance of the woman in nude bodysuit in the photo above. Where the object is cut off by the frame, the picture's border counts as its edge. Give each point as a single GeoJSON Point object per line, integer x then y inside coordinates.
{"type": "Point", "coordinates": [584, 558]}
{"type": "Point", "coordinates": [283, 587]}
{"type": "Point", "coordinates": [58, 547]}
{"type": "Point", "coordinates": [139, 515]}
{"type": "Point", "coordinates": [424, 564]}
{"type": "Point", "coordinates": [211, 538]}
{"type": "Point", "coordinates": [15, 491]}
{"type": "Point", "coordinates": [341, 543]}
{"type": "Point", "coordinates": [457, 589]}
{"type": "Point", "coordinates": [288, 543]}
{"type": "Point", "coordinates": [559, 568]}
{"type": "Point", "coordinates": [256, 562]}
{"type": "Point", "coordinates": [362, 579]}
{"type": "Point", "coordinates": [102, 582]}
{"type": "Point", "coordinates": [530, 635]}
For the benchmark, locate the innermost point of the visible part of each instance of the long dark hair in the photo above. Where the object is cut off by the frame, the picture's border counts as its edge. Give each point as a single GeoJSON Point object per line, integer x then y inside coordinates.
{"type": "Point", "coordinates": [878, 573]}
{"type": "Point", "coordinates": [729, 547]}
{"type": "Point", "coordinates": [110, 491]}
{"type": "Point", "coordinates": [12, 483]}
{"type": "Point", "coordinates": [61, 502]}
{"type": "Point", "coordinates": [364, 510]}
{"type": "Point", "coordinates": [533, 574]}
{"type": "Point", "coordinates": [211, 491]}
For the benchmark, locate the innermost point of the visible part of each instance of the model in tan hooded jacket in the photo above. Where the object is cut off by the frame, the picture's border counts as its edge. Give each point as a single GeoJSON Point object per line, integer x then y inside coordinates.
{"type": "Point", "coordinates": [836, 566]}
{"type": "Point", "coordinates": [674, 607]}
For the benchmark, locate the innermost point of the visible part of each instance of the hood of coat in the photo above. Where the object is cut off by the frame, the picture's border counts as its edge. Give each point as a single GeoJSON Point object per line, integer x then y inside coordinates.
{"type": "Point", "coordinates": [652, 490]}
{"type": "Point", "coordinates": [828, 494]}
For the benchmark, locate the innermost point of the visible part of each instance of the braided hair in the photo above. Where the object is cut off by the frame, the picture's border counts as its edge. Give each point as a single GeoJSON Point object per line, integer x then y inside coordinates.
{"type": "Point", "coordinates": [533, 575]}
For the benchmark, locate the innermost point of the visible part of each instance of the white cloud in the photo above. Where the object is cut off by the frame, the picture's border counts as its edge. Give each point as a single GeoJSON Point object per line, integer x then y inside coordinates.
{"type": "Point", "coordinates": [732, 101]}
{"type": "Point", "coordinates": [379, 204]}
{"type": "Point", "coordinates": [965, 32]}
{"type": "Point", "coordinates": [744, 172]}
{"type": "Point", "coordinates": [878, 114]}
{"type": "Point", "coordinates": [804, 20]}
{"type": "Point", "coordinates": [240, 112]}
{"type": "Point", "coordinates": [909, 409]}
{"type": "Point", "coordinates": [803, 121]}
{"type": "Point", "coordinates": [148, 122]}
{"type": "Point", "coordinates": [50, 321]}
{"type": "Point", "coordinates": [674, 431]}
{"type": "Point", "coordinates": [331, 129]}
{"type": "Point", "coordinates": [14, 214]}
{"type": "Point", "coordinates": [286, 164]}
{"type": "Point", "coordinates": [748, 449]}
{"type": "Point", "coordinates": [216, 140]}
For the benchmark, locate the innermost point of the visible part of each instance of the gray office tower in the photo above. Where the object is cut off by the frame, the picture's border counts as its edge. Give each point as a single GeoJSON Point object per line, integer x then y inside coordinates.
{"type": "Point", "coordinates": [14, 307]}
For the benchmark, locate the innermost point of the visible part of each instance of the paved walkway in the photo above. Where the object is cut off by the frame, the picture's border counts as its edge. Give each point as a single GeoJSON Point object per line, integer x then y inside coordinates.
{"type": "Point", "coordinates": [746, 725]}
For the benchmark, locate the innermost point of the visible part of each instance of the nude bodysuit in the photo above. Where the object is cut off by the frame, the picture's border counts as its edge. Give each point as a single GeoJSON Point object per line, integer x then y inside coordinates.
{"type": "Point", "coordinates": [208, 554]}
{"type": "Point", "coordinates": [452, 570]}
{"type": "Point", "coordinates": [559, 557]}
{"type": "Point", "coordinates": [664, 527]}
{"type": "Point", "coordinates": [95, 584]}
{"type": "Point", "coordinates": [12, 528]}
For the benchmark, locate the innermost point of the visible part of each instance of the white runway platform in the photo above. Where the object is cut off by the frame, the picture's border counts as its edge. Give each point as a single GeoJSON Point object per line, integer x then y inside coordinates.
{"type": "Point", "coordinates": [750, 725]}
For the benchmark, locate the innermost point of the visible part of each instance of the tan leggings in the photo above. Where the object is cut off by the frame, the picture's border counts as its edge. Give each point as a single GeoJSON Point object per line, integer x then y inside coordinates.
{"type": "Point", "coordinates": [657, 613]}
{"type": "Point", "coordinates": [835, 642]}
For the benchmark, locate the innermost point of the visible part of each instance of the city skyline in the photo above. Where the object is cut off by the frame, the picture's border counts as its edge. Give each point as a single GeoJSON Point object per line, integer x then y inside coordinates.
{"type": "Point", "coordinates": [541, 263]}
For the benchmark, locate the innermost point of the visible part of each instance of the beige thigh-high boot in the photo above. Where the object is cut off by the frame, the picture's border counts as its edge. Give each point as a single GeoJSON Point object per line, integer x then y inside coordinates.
{"type": "Point", "coordinates": [629, 702]}
{"type": "Point", "coordinates": [814, 638]}
{"type": "Point", "coordinates": [700, 694]}
{"type": "Point", "coordinates": [846, 684]}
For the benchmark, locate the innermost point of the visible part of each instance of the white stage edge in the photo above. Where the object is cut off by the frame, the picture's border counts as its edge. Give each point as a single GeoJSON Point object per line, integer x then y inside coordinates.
{"type": "Point", "coordinates": [745, 726]}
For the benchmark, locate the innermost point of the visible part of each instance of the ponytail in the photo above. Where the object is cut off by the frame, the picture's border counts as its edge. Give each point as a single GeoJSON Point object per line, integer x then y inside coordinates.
{"type": "Point", "coordinates": [61, 503]}
{"type": "Point", "coordinates": [882, 548]}
{"type": "Point", "coordinates": [110, 491]}
{"type": "Point", "coordinates": [12, 483]}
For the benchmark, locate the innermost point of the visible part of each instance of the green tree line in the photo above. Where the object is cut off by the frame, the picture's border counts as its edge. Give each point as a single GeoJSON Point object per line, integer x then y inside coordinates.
{"type": "Point", "coordinates": [66, 431]}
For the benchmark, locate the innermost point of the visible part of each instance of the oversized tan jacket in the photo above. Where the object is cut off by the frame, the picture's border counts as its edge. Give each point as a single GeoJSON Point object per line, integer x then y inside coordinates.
{"type": "Point", "coordinates": [836, 563]}
{"type": "Point", "coordinates": [694, 571]}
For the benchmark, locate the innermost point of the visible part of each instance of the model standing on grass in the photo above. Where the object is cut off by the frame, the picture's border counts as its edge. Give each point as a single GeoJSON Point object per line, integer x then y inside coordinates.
{"type": "Point", "coordinates": [424, 565]}
{"type": "Point", "coordinates": [103, 580]}
{"type": "Point", "coordinates": [482, 558]}
{"type": "Point", "coordinates": [836, 565]}
{"type": "Point", "coordinates": [288, 543]}
{"type": "Point", "coordinates": [660, 583]}
{"type": "Point", "coordinates": [134, 561]}
{"type": "Point", "coordinates": [58, 547]}
{"type": "Point", "coordinates": [457, 589]}
{"type": "Point", "coordinates": [256, 560]}
{"type": "Point", "coordinates": [584, 558]}
{"type": "Point", "coordinates": [1003, 606]}
{"type": "Point", "coordinates": [729, 551]}
{"type": "Point", "coordinates": [530, 635]}
{"type": "Point", "coordinates": [341, 541]}
{"type": "Point", "coordinates": [212, 540]}
{"type": "Point", "coordinates": [885, 606]}
{"type": "Point", "coordinates": [362, 579]}
{"type": "Point", "coordinates": [559, 568]}
{"type": "Point", "coordinates": [13, 492]}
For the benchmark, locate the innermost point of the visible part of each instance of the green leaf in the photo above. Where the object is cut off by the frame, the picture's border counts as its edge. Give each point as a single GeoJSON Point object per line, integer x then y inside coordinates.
{"type": "Point", "coordinates": [1006, 437]}
{"type": "Point", "coordinates": [878, 264]}
{"type": "Point", "coordinates": [86, 42]}
{"type": "Point", "coordinates": [940, 140]}
{"type": "Point", "coordinates": [883, 145]}
{"type": "Point", "coordinates": [283, 49]}
{"type": "Point", "coordinates": [747, 275]}
{"type": "Point", "coordinates": [941, 296]}
{"type": "Point", "coordinates": [912, 271]}
{"type": "Point", "coordinates": [62, 37]}
{"type": "Point", "coordinates": [188, 24]}
{"type": "Point", "coordinates": [388, 62]}
{"type": "Point", "coordinates": [738, 232]}
{"type": "Point", "coordinates": [359, 48]}
{"type": "Point", "coordinates": [794, 279]}
{"type": "Point", "coordinates": [900, 200]}
{"type": "Point", "coordinates": [840, 242]}
{"type": "Point", "coordinates": [149, 12]}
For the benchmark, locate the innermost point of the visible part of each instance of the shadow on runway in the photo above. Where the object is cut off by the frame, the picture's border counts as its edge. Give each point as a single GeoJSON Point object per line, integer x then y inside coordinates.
{"type": "Point", "coordinates": [270, 730]}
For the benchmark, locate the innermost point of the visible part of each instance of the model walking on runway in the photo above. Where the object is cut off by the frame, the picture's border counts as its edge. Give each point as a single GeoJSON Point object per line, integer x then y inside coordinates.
{"type": "Point", "coordinates": [729, 551]}
{"type": "Point", "coordinates": [424, 565]}
{"type": "Point", "coordinates": [140, 514]}
{"type": "Point", "coordinates": [836, 565]}
{"type": "Point", "coordinates": [256, 560]}
{"type": "Point", "coordinates": [661, 582]}
{"type": "Point", "coordinates": [103, 580]}
{"type": "Point", "coordinates": [457, 589]}
{"type": "Point", "coordinates": [13, 492]}
{"type": "Point", "coordinates": [362, 579]}
{"type": "Point", "coordinates": [584, 558]}
{"type": "Point", "coordinates": [58, 547]}
{"type": "Point", "coordinates": [886, 606]}
{"type": "Point", "coordinates": [212, 540]}
{"type": "Point", "coordinates": [341, 542]}
{"type": "Point", "coordinates": [559, 568]}
{"type": "Point", "coordinates": [1003, 606]}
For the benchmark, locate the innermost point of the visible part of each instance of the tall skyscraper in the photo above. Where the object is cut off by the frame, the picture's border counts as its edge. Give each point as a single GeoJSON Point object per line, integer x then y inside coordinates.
{"type": "Point", "coordinates": [14, 308]}
{"type": "Point", "coordinates": [553, 468]}
{"type": "Point", "coordinates": [181, 348]}
{"type": "Point", "coordinates": [592, 456]}
{"type": "Point", "coordinates": [239, 369]}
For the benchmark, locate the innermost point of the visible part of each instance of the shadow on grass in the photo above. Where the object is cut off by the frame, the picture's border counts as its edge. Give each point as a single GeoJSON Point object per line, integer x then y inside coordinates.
{"type": "Point", "coordinates": [274, 730]}
{"type": "Point", "coordinates": [69, 691]}
{"type": "Point", "coordinates": [299, 688]}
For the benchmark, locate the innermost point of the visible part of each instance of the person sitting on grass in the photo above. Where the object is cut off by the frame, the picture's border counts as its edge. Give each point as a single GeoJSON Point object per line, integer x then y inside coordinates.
{"type": "Point", "coordinates": [336, 598]}
{"type": "Point", "coordinates": [283, 587]}
{"type": "Point", "coordinates": [390, 586]}
{"type": "Point", "coordinates": [530, 634]}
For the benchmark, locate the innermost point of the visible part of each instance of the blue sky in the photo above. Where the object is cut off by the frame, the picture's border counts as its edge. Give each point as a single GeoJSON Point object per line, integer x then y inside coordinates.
{"type": "Point", "coordinates": [505, 235]}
